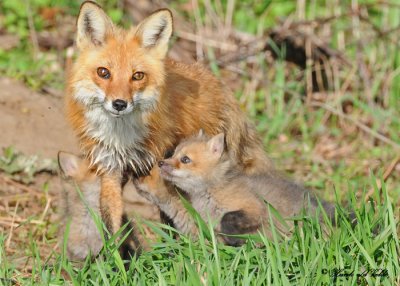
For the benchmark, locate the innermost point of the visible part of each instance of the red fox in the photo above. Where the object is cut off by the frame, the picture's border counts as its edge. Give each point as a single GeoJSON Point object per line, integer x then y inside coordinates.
{"type": "Point", "coordinates": [216, 187]}
{"type": "Point", "coordinates": [84, 236]}
{"type": "Point", "coordinates": [129, 104]}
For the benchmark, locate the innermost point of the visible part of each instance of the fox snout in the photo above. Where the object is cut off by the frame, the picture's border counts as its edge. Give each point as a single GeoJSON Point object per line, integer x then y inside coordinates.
{"type": "Point", "coordinates": [118, 106]}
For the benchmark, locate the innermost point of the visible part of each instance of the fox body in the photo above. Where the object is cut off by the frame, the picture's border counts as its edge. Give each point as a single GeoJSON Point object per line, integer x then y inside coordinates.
{"type": "Point", "coordinates": [243, 211]}
{"type": "Point", "coordinates": [84, 237]}
{"type": "Point", "coordinates": [129, 104]}
{"type": "Point", "coordinates": [217, 188]}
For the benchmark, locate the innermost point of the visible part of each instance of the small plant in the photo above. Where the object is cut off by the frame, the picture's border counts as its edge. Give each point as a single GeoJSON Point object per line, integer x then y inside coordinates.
{"type": "Point", "coordinates": [23, 168]}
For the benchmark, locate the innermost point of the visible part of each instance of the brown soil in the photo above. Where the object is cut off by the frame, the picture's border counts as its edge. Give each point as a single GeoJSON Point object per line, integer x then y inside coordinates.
{"type": "Point", "coordinates": [32, 122]}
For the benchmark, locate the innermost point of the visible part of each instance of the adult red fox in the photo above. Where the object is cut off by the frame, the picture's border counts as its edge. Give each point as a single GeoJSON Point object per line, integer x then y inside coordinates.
{"type": "Point", "coordinates": [129, 104]}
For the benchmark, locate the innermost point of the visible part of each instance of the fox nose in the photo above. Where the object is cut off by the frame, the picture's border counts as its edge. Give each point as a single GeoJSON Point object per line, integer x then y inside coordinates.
{"type": "Point", "coordinates": [119, 104]}
{"type": "Point", "coordinates": [161, 163]}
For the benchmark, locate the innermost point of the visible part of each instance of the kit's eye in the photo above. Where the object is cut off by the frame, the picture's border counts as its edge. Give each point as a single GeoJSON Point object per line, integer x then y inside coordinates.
{"type": "Point", "coordinates": [185, 160]}
{"type": "Point", "coordinates": [138, 76]}
{"type": "Point", "coordinates": [103, 73]}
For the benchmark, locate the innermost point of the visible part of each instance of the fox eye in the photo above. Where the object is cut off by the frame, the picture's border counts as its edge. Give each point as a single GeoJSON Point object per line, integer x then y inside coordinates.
{"type": "Point", "coordinates": [185, 160]}
{"type": "Point", "coordinates": [103, 73]}
{"type": "Point", "coordinates": [138, 76]}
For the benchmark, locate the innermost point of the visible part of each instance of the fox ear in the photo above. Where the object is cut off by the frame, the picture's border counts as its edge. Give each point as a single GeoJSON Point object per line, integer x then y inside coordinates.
{"type": "Point", "coordinates": [93, 25]}
{"type": "Point", "coordinates": [217, 144]}
{"type": "Point", "coordinates": [68, 164]}
{"type": "Point", "coordinates": [155, 31]}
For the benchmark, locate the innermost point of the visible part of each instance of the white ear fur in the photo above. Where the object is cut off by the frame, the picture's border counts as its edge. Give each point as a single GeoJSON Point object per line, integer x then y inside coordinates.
{"type": "Point", "coordinates": [217, 144]}
{"type": "Point", "coordinates": [155, 31]}
{"type": "Point", "coordinates": [93, 25]}
{"type": "Point", "coordinates": [200, 134]}
{"type": "Point", "coordinates": [68, 163]}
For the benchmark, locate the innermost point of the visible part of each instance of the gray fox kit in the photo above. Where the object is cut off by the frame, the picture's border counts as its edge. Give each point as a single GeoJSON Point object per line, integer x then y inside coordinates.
{"type": "Point", "coordinates": [84, 237]}
{"type": "Point", "coordinates": [216, 187]}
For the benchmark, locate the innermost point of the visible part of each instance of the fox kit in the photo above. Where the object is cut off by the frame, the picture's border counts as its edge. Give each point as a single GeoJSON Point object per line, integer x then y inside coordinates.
{"type": "Point", "coordinates": [84, 237]}
{"type": "Point", "coordinates": [252, 211]}
{"type": "Point", "coordinates": [216, 187]}
{"type": "Point", "coordinates": [129, 104]}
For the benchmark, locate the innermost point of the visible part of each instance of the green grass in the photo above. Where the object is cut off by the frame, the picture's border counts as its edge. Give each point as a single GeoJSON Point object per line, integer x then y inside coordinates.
{"type": "Point", "coordinates": [316, 254]}
{"type": "Point", "coordinates": [43, 68]}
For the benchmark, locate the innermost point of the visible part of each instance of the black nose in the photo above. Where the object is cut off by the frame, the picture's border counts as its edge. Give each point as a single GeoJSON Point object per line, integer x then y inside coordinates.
{"type": "Point", "coordinates": [119, 104]}
{"type": "Point", "coordinates": [160, 163]}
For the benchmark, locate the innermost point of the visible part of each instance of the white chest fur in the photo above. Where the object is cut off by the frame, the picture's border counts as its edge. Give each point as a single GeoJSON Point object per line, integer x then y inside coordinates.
{"type": "Point", "coordinates": [120, 141]}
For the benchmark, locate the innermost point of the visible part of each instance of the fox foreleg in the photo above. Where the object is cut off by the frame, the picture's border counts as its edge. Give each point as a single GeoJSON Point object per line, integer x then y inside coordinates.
{"type": "Point", "coordinates": [111, 205]}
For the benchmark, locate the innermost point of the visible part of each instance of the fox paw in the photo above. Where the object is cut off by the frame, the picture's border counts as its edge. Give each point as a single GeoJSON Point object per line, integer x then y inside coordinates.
{"type": "Point", "coordinates": [237, 222]}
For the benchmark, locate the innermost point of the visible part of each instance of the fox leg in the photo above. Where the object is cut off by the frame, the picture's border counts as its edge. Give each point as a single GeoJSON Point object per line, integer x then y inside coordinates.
{"type": "Point", "coordinates": [237, 222]}
{"type": "Point", "coordinates": [111, 205]}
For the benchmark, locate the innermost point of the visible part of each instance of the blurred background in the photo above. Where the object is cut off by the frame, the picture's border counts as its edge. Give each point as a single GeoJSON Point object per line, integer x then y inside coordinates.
{"type": "Point", "coordinates": [320, 78]}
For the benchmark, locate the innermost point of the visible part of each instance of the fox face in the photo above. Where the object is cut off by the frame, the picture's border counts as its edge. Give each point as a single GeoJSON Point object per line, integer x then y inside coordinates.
{"type": "Point", "coordinates": [193, 163]}
{"type": "Point", "coordinates": [119, 71]}
{"type": "Point", "coordinates": [116, 83]}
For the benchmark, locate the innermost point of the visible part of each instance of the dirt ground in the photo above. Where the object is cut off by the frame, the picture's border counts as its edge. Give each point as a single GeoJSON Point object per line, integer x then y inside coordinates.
{"type": "Point", "coordinates": [34, 124]}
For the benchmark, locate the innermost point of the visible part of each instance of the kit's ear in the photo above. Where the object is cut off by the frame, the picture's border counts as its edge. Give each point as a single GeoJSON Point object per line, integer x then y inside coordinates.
{"type": "Point", "coordinates": [68, 164]}
{"type": "Point", "coordinates": [216, 145]}
{"type": "Point", "coordinates": [155, 31]}
{"type": "Point", "coordinates": [93, 25]}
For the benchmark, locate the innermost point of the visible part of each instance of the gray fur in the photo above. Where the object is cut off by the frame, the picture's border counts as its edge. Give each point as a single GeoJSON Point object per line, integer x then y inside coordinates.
{"type": "Point", "coordinates": [83, 237]}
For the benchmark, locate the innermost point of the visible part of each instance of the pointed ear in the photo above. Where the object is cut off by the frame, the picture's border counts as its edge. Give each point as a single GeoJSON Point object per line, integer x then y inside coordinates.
{"type": "Point", "coordinates": [155, 31]}
{"type": "Point", "coordinates": [93, 25]}
{"type": "Point", "coordinates": [68, 164]}
{"type": "Point", "coordinates": [216, 144]}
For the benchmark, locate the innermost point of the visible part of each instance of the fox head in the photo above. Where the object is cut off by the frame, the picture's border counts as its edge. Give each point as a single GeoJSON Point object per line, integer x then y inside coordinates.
{"type": "Point", "coordinates": [194, 163]}
{"type": "Point", "coordinates": [77, 169]}
{"type": "Point", "coordinates": [119, 71]}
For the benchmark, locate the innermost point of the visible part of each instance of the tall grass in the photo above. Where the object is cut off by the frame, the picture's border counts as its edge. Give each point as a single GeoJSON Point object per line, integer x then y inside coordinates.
{"type": "Point", "coordinates": [315, 254]}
